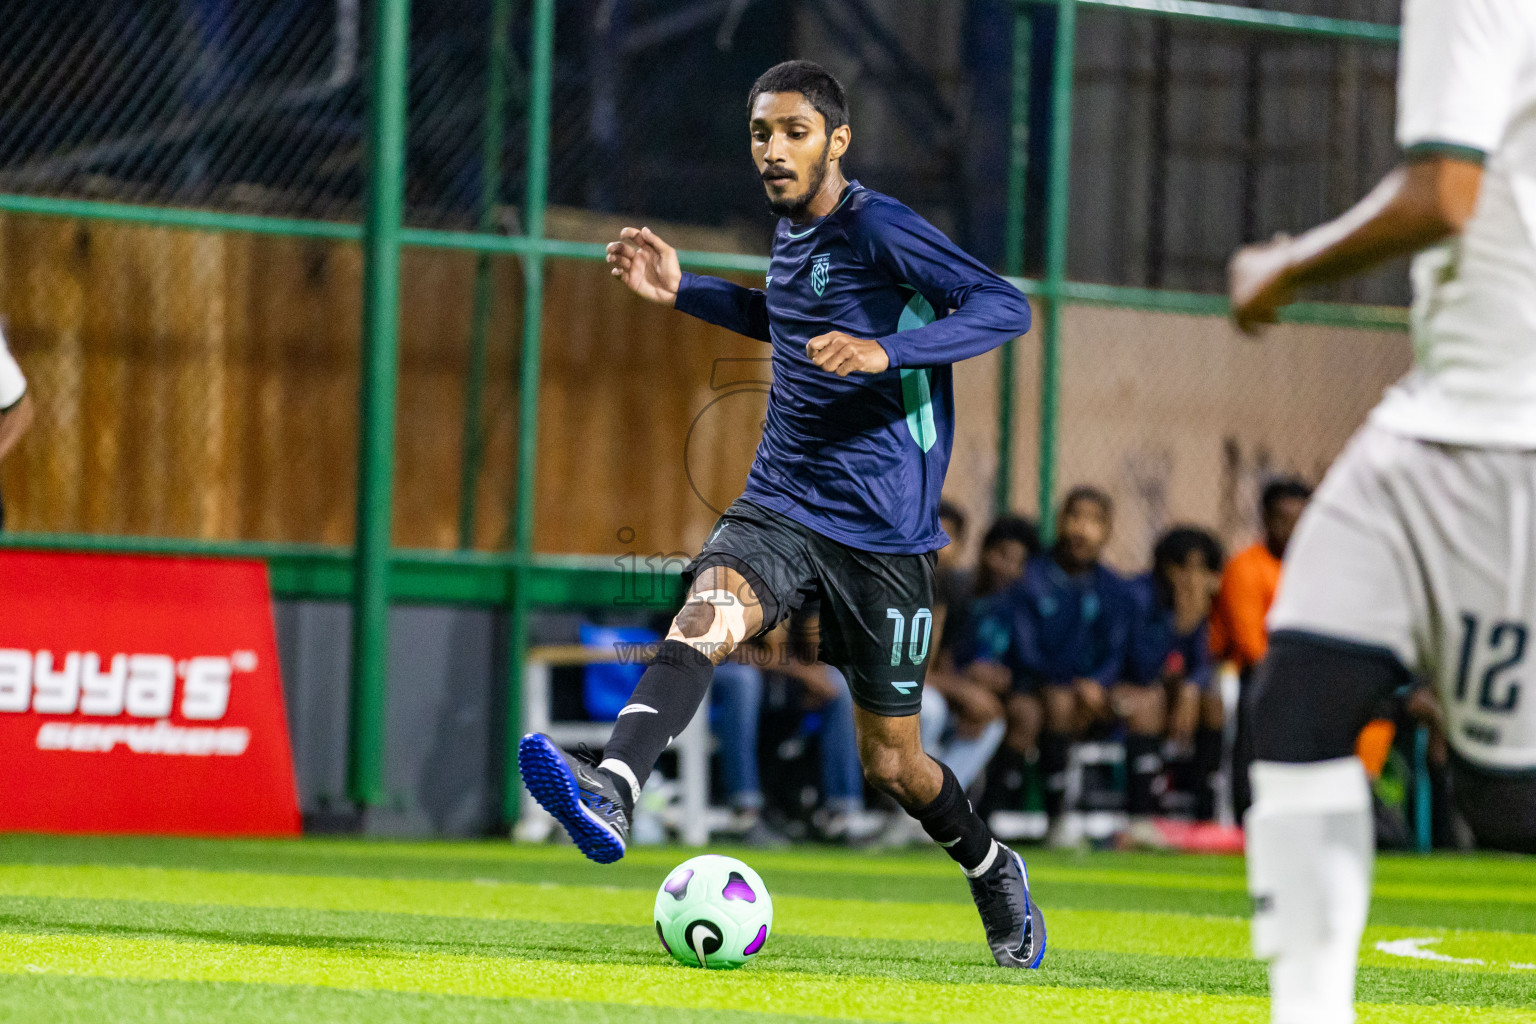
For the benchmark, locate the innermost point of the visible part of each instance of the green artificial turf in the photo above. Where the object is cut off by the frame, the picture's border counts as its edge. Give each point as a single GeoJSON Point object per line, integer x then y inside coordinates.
{"type": "Point", "coordinates": [342, 930]}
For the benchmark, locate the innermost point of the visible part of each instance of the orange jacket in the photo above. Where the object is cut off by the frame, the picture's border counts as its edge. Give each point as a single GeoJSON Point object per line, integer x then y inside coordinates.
{"type": "Point", "coordinates": [1237, 618]}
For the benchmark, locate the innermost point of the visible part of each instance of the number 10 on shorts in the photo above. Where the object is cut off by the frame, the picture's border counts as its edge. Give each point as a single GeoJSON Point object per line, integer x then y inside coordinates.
{"type": "Point", "coordinates": [922, 632]}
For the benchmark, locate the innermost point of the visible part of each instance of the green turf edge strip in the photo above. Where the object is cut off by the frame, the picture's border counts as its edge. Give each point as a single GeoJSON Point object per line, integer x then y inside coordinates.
{"type": "Point", "coordinates": [1102, 930]}
{"type": "Point", "coordinates": [1484, 868]}
{"type": "Point", "coordinates": [1497, 879]}
{"type": "Point", "coordinates": [946, 962]}
{"type": "Point", "coordinates": [861, 998]}
{"type": "Point", "coordinates": [62, 999]}
{"type": "Point", "coordinates": [1109, 931]}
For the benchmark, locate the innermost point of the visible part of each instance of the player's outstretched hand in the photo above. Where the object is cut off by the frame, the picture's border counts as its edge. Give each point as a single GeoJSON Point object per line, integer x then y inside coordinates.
{"type": "Point", "coordinates": [1257, 283]}
{"type": "Point", "coordinates": [647, 265]}
{"type": "Point", "coordinates": [843, 354]}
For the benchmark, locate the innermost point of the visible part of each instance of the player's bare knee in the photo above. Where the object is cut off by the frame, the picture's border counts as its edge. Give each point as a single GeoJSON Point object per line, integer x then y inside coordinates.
{"type": "Point", "coordinates": [886, 768]}
{"type": "Point", "coordinates": [986, 710]}
{"type": "Point", "coordinates": [1144, 709]}
{"type": "Point", "coordinates": [1060, 710]}
{"type": "Point", "coordinates": [1213, 713]}
{"type": "Point", "coordinates": [1024, 716]}
{"type": "Point", "coordinates": [712, 623]}
{"type": "Point", "coordinates": [695, 619]}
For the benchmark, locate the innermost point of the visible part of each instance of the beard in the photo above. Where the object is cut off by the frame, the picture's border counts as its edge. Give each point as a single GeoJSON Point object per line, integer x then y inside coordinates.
{"type": "Point", "coordinates": [796, 207]}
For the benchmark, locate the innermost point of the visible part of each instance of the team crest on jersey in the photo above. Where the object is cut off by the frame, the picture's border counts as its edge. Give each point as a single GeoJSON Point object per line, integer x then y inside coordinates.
{"type": "Point", "coordinates": [821, 271]}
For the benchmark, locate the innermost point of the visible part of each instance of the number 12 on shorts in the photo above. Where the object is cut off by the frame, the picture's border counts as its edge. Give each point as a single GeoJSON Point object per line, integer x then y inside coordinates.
{"type": "Point", "coordinates": [1505, 645]}
{"type": "Point", "coordinates": [922, 632]}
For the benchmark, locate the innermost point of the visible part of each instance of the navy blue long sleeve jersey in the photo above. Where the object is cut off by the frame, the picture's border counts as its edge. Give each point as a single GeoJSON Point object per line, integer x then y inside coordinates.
{"type": "Point", "coordinates": [861, 459]}
{"type": "Point", "coordinates": [1157, 648]}
{"type": "Point", "coordinates": [1052, 627]}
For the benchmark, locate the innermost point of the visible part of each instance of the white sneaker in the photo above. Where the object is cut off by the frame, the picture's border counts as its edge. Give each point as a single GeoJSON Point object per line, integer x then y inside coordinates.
{"type": "Point", "coordinates": [1142, 834]}
{"type": "Point", "coordinates": [902, 831]}
{"type": "Point", "coordinates": [1066, 833]}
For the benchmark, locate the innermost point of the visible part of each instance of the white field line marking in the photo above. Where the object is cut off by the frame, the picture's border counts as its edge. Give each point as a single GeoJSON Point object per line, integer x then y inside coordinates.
{"type": "Point", "coordinates": [1413, 948]}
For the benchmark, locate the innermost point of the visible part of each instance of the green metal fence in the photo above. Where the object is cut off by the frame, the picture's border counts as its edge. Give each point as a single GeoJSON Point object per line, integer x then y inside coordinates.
{"type": "Point", "coordinates": [372, 573]}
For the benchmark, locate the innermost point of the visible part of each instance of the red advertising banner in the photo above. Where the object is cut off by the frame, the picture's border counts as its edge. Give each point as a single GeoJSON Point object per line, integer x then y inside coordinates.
{"type": "Point", "coordinates": [141, 695]}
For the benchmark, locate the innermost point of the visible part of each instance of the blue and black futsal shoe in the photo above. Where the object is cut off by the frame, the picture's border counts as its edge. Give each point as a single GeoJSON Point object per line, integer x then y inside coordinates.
{"type": "Point", "coordinates": [583, 799]}
{"type": "Point", "coordinates": [1015, 927]}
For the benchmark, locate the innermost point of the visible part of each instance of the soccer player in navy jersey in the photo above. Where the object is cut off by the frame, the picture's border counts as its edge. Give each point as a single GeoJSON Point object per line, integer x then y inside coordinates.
{"type": "Point", "coordinates": [866, 306]}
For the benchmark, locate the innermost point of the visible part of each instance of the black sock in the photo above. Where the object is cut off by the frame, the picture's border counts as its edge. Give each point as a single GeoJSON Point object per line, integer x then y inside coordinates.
{"type": "Point", "coordinates": [1144, 763]}
{"type": "Point", "coordinates": [1242, 748]}
{"type": "Point", "coordinates": [951, 822]}
{"type": "Point", "coordinates": [1207, 764]}
{"type": "Point", "coordinates": [1053, 770]}
{"type": "Point", "coordinates": [1005, 780]}
{"type": "Point", "coordinates": [669, 693]}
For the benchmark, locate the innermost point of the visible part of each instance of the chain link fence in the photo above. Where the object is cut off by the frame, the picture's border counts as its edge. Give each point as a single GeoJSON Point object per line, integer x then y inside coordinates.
{"type": "Point", "coordinates": [250, 106]}
{"type": "Point", "coordinates": [204, 384]}
{"type": "Point", "coordinates": [1183, 421]}
{"type": "Point", "coordinates": [1191, 139]}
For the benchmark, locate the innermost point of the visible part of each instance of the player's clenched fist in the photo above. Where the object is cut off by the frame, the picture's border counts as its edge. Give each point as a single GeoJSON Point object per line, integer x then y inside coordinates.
{"type": "Point", "coordinates": [1258, 283]}
{"type": "Point", "coordinates": [647, 265]}
{"type": "Point", "coordinates": [843, 354]}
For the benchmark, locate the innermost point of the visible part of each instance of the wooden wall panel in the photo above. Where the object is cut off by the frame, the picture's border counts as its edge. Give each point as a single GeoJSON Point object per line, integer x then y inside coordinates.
{"type": "Point", "coordinates": [1183, 420]}
{"type": "Point", "coordinates": [204, 385]}
{"type": "Point", "coordinates": [623, 383]}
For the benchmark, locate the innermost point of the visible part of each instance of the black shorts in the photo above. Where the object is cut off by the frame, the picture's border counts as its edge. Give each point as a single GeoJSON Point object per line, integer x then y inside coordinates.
{"type": "Point", "coordinates": [1313, 694]}
{"type": "Point", "coordinates": [876, 609]}
{"type": "Point", "coordinates": [1499, 806]}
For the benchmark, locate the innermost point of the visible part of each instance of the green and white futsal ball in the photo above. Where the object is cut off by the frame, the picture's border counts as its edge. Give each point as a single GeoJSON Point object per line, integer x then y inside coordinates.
{"type": "Point", "coordinates": [713, 912]}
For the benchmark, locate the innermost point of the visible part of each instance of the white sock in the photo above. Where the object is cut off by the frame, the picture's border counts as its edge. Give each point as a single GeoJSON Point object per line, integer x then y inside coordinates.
{"type": "Point", "coordinates": [623, 771]}
{"type": "Point", "coordinates": [1310, 850]}
{"type": "Point", "coordinates": [986, 862]}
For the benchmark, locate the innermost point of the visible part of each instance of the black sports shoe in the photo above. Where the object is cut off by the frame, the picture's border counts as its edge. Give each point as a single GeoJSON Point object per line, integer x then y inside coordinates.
{"type": "Point", "coordinates": [1015, 927]}
{"type": "Point", "coordinates": [586, 801]}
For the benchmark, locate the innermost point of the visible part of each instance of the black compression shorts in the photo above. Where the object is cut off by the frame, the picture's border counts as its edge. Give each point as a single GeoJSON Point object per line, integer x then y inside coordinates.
{"type": "Point", "coordinates": [876, 609]}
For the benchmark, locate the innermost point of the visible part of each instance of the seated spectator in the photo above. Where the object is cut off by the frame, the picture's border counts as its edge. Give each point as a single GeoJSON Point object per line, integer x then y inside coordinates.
{"type": "Point", "coordinates": [1008, 543]}
{"type": "Point", "coordinates": [975, 698]}
{"type": "Point", "coordinates": [963, 718]}
{"type": "Point", "coordinates": [1170, 645]}
{"type": "Point", "coordinates": [1062, 632]}
{"type": "Point", "coordinates": [736, 704]}
{"type": "Point", "coordinates": [1005, 548]}
{"type": "Point", "coordinates": [1248, 586]}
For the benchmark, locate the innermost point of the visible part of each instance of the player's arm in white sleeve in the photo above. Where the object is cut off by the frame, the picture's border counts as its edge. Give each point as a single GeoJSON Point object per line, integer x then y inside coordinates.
{"type": "Point", "coordinates": [15, 402]}
{"type": "Point", "coordinates": [1456, 82]}
{"type": "Point", "coordinates": [1310, 845]}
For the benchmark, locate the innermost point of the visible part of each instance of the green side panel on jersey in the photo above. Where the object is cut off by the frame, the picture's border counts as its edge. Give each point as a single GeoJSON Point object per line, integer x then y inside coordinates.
{"type": "Point", "coordinates": [916, 383]}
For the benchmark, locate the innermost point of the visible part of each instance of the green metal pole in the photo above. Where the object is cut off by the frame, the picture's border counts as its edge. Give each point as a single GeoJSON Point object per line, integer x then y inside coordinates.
{"type": "Point", "coordinates": [490, 194]}
{"type": "Point", "coordinates": [1423, 793]}
{"type": "Point", "coordinates": [376, 434]}
{"type": "Point", "coordinates": [1057, 206]}
{"type": "Point", "coordinates": [540, 72]}
{"type": "Point", "coordinates": [1013, 250]}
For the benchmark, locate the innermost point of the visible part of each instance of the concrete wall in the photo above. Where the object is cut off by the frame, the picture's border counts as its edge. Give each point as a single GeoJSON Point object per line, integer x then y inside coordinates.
{"type": "Point", "coordinates": [443, 730]}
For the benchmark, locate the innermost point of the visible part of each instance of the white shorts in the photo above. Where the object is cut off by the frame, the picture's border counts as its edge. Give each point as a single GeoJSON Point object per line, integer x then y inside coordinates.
{"type": "Point", "coordinates": [1426, 551]}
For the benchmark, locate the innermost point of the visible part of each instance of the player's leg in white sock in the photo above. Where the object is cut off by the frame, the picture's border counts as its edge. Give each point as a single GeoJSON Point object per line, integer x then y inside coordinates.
{"type": "Point", "coordinates": [1310, 849]}
{"type": "Point", "coordinates": [1310, 835]}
